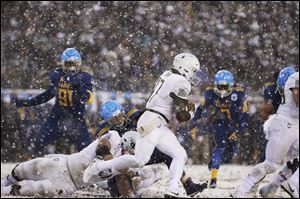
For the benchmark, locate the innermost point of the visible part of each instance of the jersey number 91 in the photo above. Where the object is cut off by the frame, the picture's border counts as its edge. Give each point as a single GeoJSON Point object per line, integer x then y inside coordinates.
{"type": "Point", "coordinates": [65, 97]}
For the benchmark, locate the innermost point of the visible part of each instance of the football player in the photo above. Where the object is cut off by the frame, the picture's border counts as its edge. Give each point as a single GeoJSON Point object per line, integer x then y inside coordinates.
{"type": "Point", "coordinates": [291, 166]}
{"type": "Point", "coordinates": [272, 98]}
{"type": "Point", "coordinates": [169, 96]}
{"type": "Point", "coordinates": [115, 118]}
{"type": "Point", "coordinates": [58, 174]}
{"type": "Point", "coordinates": [226, 108]}
{"type": "Point", "coordinates": [282, 132]}
{"type": "Point", "coordinates": [72, 89]}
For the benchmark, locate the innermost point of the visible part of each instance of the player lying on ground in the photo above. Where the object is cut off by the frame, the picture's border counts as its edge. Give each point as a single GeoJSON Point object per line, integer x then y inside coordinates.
{"type": "Point", "coordinates": [282, 132]}
{"type": "Point", "coordinates": [59, 174]}
{"type": "Point", "coordinates": [168, 99]}
{"type": "Point", "coordinates": [128, 184]}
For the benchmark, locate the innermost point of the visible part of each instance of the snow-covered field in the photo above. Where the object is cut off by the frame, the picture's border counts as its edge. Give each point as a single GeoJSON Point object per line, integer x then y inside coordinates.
{"type": "Point", "coordinates": [229, 177]}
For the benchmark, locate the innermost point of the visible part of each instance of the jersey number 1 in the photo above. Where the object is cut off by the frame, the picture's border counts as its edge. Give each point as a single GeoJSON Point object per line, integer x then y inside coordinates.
{"type": "Point", "coordinates": [158, 85]}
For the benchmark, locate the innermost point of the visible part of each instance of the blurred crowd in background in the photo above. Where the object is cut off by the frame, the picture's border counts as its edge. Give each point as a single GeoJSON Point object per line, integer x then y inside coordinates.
{"type": "Point", "coordinates": [20, 127]}
{"type": "Point", "coordinates": [127, 45]}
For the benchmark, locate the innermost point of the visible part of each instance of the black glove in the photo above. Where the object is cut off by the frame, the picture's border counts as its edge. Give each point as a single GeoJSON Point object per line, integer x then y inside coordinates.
{"type": "Point", "coordinates": [211, 114]}
{"type": "Point", "coordinates": [19, 102]}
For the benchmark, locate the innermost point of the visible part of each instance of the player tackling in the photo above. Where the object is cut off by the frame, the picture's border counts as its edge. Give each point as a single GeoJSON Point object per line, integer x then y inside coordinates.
{"type": "Point", "coordinates": [169, 97]}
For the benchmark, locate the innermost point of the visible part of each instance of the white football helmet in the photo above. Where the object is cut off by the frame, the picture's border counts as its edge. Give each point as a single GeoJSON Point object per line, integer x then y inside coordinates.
{"type": "Point", "coordinates": [187, 65]}
{"type": "Point", "coordinates": [128, 141]}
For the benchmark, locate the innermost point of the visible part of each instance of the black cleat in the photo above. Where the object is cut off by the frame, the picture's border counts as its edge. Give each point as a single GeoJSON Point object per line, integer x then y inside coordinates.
{"type": "Point", "coordinates": [15, 190]}
{"type": "Point", "coordinates": [213, 183]}
{"type": "Point", "coordinates": [171, 195]}
{"type": "Point", "coordinates": [192, 188]}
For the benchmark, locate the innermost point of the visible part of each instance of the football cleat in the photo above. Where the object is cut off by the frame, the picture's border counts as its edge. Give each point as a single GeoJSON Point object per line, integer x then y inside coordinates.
{"type": "Point", "coordinates": [192, 188]}
{"type": "Point", "coordinates": [213, 183]}
{"type": "Point", "coordinates": [290, 189]}
{"type": "Point", "coordinates": [172, 195]}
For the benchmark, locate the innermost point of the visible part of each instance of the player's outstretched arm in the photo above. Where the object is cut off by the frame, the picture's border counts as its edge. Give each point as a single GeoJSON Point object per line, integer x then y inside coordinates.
{"type": "Point", "coordinates": [40, 99]}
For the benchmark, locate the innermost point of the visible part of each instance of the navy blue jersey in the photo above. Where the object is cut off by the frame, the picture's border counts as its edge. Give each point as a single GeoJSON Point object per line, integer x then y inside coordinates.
{"type": "Point", "coordinates": [130, 124]}
{"type": "Point", "coordinates": [231, 110]}
{"type": "Point", "coordinates": [71, 90]}
{"type": "Point", "coordinates": [271, 94]}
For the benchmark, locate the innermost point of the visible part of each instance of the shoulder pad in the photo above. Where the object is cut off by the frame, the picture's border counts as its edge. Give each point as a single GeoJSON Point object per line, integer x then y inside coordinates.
{"type": "Point", "coordinates": [85, 77]}
{"type": "Point", "coordinates": [134, 114]}
{"type": "Point", "coordinates": [131, 112]}
{"type": "Point", "coordinates": [238, 88]}
{"type": "Point", "coordinates": [56, 70]}
{"type": "Point", "coordinates": [103, 129]}
{"type": "Point", "coordinates": [269, 84]}
{"type": "Point", "coordinates": [85, 74]}
{"type": "Point", "coordinates": [209, 88]}
{"type": "Point", "coordinates": [56, 73]}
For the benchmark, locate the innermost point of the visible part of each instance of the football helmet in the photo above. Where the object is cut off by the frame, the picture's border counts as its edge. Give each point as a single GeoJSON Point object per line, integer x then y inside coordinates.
{"type": "Point", "coordinates": [70, 59]}
{"type": "Point", "coordinates": [283, 77]}
{"type": "Point", "coordinates": [223, 83]}
{"type": "Point", "coordinates": [128, 141]}
{"type": "Point", "coordinates": [187, 65]}
{"type": "Point", "coordinates": [113, 113]}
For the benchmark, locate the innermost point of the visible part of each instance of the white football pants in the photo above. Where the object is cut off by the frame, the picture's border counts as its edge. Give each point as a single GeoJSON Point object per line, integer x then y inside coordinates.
{"type": "Point", "coordinates": [283, 136]}
{"type": "Point", "coordinates": [45, 176]}
{"type": "Point", "coordinates": [164, 140]}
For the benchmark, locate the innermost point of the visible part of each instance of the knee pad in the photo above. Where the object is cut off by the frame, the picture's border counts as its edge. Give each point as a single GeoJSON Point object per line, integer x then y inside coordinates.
{"type": "Point", "coordinates": [262, 169]}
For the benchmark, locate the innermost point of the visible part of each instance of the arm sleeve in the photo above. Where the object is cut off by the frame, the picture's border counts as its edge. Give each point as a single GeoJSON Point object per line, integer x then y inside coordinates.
{"type": "Point", "coordinates": [103, 128]}
{"type": "Point", "coordinates": [268, 94]}
{"type": "Point", "coordinates": [242, 116]}
{"type": "Point", "coordinates": [204, 104]}
{"type": "Point", "coordinates": [40, 99]}
{"type": "Point", "coordinates": [182, 89]}
{"type": "Point", "coordinates": [179, 94]}
{"type": "Point", "coordinates": [85, 91]}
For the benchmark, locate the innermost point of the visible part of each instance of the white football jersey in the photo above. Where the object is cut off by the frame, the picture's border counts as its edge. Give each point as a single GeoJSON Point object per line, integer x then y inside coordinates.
{"type": "Point", "coordinates": [160, 99]}
{"type": "Point", "coordinates": [115, 141]}
{"type": "Point", "coordinates": [78, 162]}
{"type": "Point", "coordinates": [288, 107]}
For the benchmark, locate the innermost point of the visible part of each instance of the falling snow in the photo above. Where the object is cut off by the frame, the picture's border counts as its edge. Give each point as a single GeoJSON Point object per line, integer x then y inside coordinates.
{"type": "Point", "coordinates": [126, 46]}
